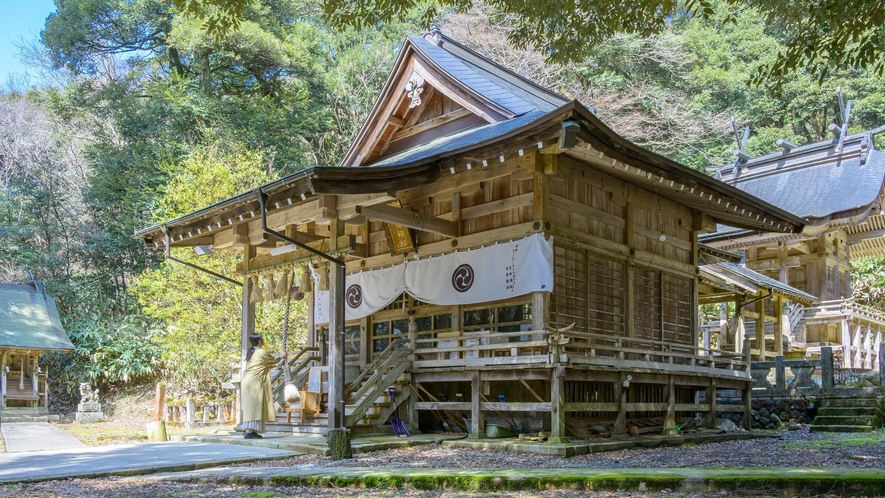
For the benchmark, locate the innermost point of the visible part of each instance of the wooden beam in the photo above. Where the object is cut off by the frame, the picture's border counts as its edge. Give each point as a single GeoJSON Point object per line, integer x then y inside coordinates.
{"type": "Point", "coordinates": [346, 244]}
{"type": "Point", "coordinates": [430, 124]}
{"type": "Point", "coordinates": [409, 219]}
{"type": "Point", "coordinates": [857, 238]}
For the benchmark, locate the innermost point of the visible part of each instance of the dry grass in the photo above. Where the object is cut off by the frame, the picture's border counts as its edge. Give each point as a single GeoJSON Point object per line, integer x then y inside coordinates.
{"type": "Point", "coordinates": [125, 418]}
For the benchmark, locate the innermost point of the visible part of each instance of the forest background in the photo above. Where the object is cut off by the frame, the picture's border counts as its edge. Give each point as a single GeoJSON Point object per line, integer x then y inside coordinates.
{"type": "Point", "coordinates": [145, 116]}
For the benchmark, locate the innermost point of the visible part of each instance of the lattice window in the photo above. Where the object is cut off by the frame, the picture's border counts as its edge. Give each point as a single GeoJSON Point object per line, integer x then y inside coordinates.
{"type": "Point", "coordinates": [678, 310]}
{"type": "Point", "coordinates": [587, 290]}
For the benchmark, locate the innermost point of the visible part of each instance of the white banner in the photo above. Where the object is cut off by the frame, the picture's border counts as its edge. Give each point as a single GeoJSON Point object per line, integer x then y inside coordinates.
{"type": "Point", "coordinates": [364, 293]}
{"type": "Point", "coordinates": [492, 273]}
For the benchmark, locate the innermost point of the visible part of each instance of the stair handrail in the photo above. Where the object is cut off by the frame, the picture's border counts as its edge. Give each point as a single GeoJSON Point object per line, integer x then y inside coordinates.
{"type": "Point", "coordinates": [379, 372]}
{"type": "Point", "coordinates": [386, 378]}
{"type": "Point", "coordinates": [355, 384]}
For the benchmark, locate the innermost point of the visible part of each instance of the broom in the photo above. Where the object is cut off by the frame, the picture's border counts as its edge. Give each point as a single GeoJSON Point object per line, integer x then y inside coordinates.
{"type": "Point", "coordinates": [291, 394]}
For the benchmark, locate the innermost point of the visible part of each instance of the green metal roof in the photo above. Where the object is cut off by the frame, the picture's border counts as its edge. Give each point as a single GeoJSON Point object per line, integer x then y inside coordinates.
{"type": "Point", "coordinates": [29, 320]}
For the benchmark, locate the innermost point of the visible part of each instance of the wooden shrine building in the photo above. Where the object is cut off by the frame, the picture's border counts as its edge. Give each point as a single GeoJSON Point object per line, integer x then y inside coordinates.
{"type": "Point", "coordinates": [836, 186]}
{"type": "Point", "coordinates": [29, 327]}
{"type": "Point", "coordinates": [508, 257]}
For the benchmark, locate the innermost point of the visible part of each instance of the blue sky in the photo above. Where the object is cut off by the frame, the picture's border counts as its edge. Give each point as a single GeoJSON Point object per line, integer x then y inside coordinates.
{"type": "Point", "coordinates": [19, 19]}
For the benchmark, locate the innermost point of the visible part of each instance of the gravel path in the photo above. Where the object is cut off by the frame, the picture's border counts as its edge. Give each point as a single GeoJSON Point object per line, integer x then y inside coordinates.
{"type": "Point", "coordinates": [791, 449]}
{"type": "Point", "coordinates": [799, 448]}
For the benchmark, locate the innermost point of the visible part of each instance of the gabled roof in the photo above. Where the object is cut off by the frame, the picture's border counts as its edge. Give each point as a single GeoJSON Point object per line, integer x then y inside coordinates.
{"type": "Point", "coordinates": [29, 320]}
{"type": "Point", "coordinates": [816, 182]}
{"type": "Point", "coordinates": [483, 92]}
{"type": "Point", "coordinates": [749, 280]}
{"type": "Point", "coordinates": [514, 116]}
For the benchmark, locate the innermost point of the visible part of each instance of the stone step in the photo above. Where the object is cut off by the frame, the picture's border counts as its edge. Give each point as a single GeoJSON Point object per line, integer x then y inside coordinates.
{"type": "Point", "coordinates": [850, 402]}
{"type": "Point", "coordinates": [12, 419]}
{"type": "Point", "coordinates": [840, 411]}
{"type": "Point", "coordinates": [841, 428]}
{"type": "Point", "coordinates": [850, 420]}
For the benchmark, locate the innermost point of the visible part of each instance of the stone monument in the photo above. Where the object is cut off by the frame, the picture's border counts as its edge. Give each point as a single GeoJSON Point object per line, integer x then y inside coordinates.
{"type": "Point", "coordinates": [89, 409]}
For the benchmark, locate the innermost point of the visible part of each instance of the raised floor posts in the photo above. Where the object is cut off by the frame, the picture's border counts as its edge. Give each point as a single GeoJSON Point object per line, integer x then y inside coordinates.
{"type": "Point", "coordinates": [557, 406]}
{"type": "Point", "coordinates": [477, 422]}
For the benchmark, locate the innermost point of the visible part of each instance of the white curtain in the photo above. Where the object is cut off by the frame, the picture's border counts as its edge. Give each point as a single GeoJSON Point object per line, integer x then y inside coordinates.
{"type": "Point", "coordinates": [492, 273]}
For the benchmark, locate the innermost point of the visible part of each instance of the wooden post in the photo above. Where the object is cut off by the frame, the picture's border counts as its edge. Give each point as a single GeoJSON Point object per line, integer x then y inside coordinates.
{"type": "Point", "coordinates": [880, 351]}
{"type": "Point", "coordinates": [779, 327]}
{"type": "Point", "coordinates": [711, 400]}
{"type": "Point", "coordinates": [748, 407]}
{"type": "Point", "coordinates": [760, 328]}
{"type": "Point", "coordinates": [868, 348]}
{"type": "Point", "coordinates": [34, 380]}
{"type": "Point", "coordinates": [739, 333]}
{"type": "Point", "coordinates": [248, 318]}
{"type": "Point", "coordinates": [629, 277]}
{"type": "Point", "coordinates": [856, 348]}
{"type": "Point", "coordinates": [541, 315]}
{"type": "Point", "coordinates": [336, 334]}
{"type": "Point", "coordinates": [557, 405]}
{"type": "Point", "coordinates": [619, 431]}
{"type": "Point", "coordinates": [411, 412]}
{"type": "Point", "coordinates": [160, 402]}
{"type": "Point", "coordinates": [3, 380]}
{"type": "Point", "coordinates": [723, 325]}
{"type": "Point", "coordinates": [670, 418]}
{"type": "Point", "coordinates": [846, 343]}
{"type": "Point", "coordinates": [877, 347]}
{"type": "Point", "coordinates": [477, 423]}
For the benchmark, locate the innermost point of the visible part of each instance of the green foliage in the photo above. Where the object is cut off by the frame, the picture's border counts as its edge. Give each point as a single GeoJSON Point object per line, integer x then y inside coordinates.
{"type": "Point", "coordinates": [868, 281]}
{"type": "Point", "coordinates": [127, 353]}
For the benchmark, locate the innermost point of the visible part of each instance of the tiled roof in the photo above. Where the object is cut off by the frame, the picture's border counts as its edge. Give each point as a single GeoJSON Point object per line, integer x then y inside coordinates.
{"type": "Point", "coordinates": [29, 320]}
{"type": "Point", "coordinates": [815, 181]}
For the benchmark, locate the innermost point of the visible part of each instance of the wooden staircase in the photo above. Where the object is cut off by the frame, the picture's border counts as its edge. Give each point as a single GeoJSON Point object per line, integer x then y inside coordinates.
{"type": "Point", "coordinates": [368, 404]}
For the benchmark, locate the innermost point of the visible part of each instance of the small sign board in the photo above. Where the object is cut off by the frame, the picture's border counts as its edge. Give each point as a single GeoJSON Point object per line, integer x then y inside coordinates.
{"type": "Point", "coordinates": [316, 380]}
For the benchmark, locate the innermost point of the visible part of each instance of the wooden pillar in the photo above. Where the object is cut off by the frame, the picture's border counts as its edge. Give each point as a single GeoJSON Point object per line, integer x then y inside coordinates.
{"type": "Point", "coordinates": [248, 318]}
{"type": "Point", "coordinates": [541, 315]}
{"type": "Point", "coordinates": [336, 333]}
{"type": "Point", "coordinates": [621, 386]}
{"type": "Point", "coordinates": [557, 406]}
{"type": "Point", "coordinates": [846, 343]}
{"type": "Point", "coordinates": [34, 386]}
{"type": "Point", "coordinates": [877, 349]}
{"type": "Point", "coordinates": [779, 326]}
{"type": "Point", "coordinates": [856, 348]}
{"type": "Point", "coordinates": [868, 348]}
{"type": "Point", "coordinates": [456, 211]}
{"type": "Point", "coordinates": [760, 328]}
{"type": "Point", "coordinates": [477, 422]}
{"type": "Point", "coordinates": [21, 371]}
{"type": "Point", "coordinates": [740, 332]}
{"type": "Point", "coordinates": [629, 291]}
{"type": "Point", "coordinates": [723, 326]}
{"type": "Point", "coordinates": [670, 418]}
{"type": "Point", "coordinates": [748, 407]}
{"type": "Point", "coordinates": [711, 400]}
{"type": "Point", "coordinates": [3, 380]}
{"type": "Point", "coordinates": [411, 412]}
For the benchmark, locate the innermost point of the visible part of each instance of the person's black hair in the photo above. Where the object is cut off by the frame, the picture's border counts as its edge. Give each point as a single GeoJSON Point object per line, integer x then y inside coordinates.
{"type": "Point", "coordinates": [254, 339]}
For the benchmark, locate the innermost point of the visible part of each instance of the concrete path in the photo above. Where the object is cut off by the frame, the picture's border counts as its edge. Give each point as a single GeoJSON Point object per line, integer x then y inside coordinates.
{"type": "Point", "coordinates": [129, 459]}
{"type": "Point", "coordinates": [37, 436]}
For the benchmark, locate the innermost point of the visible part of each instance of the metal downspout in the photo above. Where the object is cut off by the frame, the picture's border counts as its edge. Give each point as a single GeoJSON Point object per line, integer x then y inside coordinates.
{"type": "Point", "coordinates": [262, 200]}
